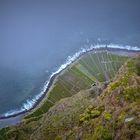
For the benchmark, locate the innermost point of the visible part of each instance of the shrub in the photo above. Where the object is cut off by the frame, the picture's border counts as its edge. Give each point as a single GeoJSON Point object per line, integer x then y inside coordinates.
{"type": "Point", "coordinates": [101, 133]}
{"type": "Point", "coordinates": [138, 66]}
{"type": "Point", "coordinates": [107, 116]}
{"type": "Point", "coordinates": [95, 113]}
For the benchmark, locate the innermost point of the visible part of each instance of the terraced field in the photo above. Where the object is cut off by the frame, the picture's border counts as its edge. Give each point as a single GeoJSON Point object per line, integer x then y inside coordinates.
{"type": "Point", "coordinates": [90, 69]}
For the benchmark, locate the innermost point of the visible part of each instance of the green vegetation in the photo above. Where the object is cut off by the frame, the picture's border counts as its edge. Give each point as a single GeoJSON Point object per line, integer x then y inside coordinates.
{"type": "Point", "coordinates": [91, 68]}
{"type": "Point", "coordinates": [107, 116]}
{"type": "Point", "coordinates": [3, 133]}
{"type": "Point", "coordinates": [138, 66]}
{"type": "Point", "coordinates": [88, 114]}
{"type": "Point", "coordinates": [101, 133]}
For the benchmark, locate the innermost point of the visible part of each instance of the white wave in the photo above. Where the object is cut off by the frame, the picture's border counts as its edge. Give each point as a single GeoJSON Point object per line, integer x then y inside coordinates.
{"type": "Point", "coordinates": [30, 103]}
{"type": "Point", "coordinates": [13, 112]}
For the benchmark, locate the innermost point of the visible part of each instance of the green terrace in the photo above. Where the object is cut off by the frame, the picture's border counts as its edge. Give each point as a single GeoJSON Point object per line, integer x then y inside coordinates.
{"type": "Point", "coordinates": [89, 70]}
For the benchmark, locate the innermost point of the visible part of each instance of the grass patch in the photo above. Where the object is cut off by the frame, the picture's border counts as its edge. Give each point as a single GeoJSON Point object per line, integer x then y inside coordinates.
{"type": "Point", "coordinates": [92, 66]}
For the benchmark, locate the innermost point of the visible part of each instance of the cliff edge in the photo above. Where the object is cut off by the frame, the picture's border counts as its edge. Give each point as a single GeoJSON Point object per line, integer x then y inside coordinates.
{"type": "Point", "coordinates": [103, 112]}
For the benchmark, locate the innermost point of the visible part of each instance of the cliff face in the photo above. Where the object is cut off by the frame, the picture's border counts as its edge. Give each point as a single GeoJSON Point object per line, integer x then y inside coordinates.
{"type": "Point", "coordinates": [103, 112]}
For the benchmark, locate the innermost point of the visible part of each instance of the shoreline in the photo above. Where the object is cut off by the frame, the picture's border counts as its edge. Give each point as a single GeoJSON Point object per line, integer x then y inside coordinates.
{"type": "Point", "coordinates": [53, 79]}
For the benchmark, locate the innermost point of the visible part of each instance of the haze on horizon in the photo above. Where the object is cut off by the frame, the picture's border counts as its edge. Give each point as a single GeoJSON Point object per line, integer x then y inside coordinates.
{"type": "Point", "coordinates": [32, 32]}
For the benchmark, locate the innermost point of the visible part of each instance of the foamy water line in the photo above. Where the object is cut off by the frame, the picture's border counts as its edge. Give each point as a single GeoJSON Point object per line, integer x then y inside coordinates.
{"type": "Point", "coordinates": [29, 104]}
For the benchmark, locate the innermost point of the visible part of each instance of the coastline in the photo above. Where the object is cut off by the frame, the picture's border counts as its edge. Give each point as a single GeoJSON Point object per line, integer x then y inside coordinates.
{"type": "Point", "coordinates": [55, 78]}
{"type": "Point", "coordinates": [16, 118]}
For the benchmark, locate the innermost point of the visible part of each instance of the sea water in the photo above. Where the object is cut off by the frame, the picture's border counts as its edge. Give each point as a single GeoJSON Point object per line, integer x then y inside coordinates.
{"type": "Point", "coordinates": [39, 39]}
{"type": "Point", "coordinates": [31, 90]}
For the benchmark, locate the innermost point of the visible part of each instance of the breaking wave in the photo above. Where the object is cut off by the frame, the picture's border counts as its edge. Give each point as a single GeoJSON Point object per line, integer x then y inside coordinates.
{"type": "Point", "coordinates": [29, 104]}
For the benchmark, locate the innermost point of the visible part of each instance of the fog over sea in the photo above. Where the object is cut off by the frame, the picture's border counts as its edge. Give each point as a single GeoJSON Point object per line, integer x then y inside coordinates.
{"type": "Point", "coordinates": [38, 36]}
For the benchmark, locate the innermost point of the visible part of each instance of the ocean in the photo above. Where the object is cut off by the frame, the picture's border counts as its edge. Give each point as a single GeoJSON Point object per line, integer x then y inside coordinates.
{"type": "Point", "coordinates": [29, 90]}
{"type": "Point", "coordinates": [40, 38]}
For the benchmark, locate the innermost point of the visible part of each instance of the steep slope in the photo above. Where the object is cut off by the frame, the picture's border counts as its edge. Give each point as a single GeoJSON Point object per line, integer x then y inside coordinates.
{"type": "Point", "coordinates": [115, 114]}
{"type": "Point", "coordinates": [103, 112]}
{"type": "Point", "coordinates": [93, 67]}
{"type": "Point", "coordinates": [64, 115]}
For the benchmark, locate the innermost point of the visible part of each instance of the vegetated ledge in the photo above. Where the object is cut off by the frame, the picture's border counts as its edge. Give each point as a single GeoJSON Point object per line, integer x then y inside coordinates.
{"type": "Point", "coordinates": [91, 68]}
{"type": "Point", "coordinates": [54, 77]}
{"type": "Point", "coordinates": [112, 115]}
{"type": "Point", "coordinates": [84, 70]}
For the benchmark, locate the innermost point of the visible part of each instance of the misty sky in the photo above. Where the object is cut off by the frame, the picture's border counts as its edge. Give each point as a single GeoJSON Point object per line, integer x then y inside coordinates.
{"type": "Point", "coordinates": [34, 34]}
